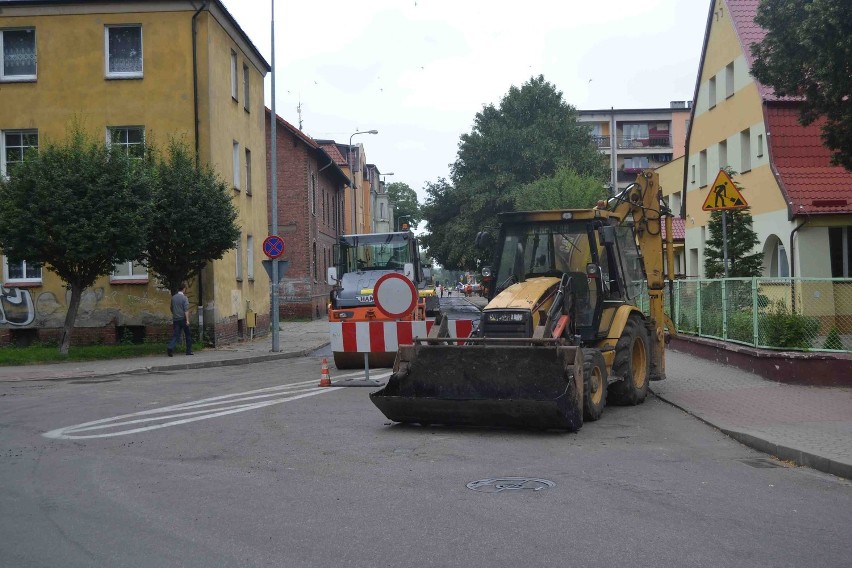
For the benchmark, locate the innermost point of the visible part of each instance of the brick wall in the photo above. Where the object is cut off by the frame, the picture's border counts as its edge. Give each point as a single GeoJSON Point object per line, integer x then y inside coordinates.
{"type": "Point", "coordinates": [307, 221]}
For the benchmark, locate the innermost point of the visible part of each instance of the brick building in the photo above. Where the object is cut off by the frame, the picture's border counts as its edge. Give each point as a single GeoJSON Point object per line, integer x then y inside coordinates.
{"type": "Point", "coordinates": [310, 217]}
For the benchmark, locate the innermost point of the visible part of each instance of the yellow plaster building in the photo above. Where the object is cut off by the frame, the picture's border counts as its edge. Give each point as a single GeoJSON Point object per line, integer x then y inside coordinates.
{"type": "Point", "coordinates": [131, 71]}
{"type": "Point", "coordinates": [801, 205]}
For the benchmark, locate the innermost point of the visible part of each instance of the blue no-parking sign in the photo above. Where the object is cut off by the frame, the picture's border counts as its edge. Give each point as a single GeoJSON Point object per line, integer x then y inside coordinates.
{"type": "Point", "coordinates": [273, 246]}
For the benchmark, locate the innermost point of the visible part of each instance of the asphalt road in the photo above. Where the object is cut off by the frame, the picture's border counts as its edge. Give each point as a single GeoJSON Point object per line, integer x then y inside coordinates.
{"type": "Point", "coordinates": [207, 469]}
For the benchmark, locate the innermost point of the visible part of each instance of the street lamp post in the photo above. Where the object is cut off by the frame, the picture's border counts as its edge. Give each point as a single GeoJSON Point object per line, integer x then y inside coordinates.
{"type": "Point", "coordinates": [352, 171]}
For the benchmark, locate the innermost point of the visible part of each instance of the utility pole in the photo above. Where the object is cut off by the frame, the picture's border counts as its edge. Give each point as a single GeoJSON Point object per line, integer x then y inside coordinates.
{"type": "Point", "coordinates": [273, 135]}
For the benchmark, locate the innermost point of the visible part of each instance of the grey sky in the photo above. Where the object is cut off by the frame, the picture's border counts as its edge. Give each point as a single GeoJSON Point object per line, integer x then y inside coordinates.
{"type": "Point", "coordinates": [419, 70]}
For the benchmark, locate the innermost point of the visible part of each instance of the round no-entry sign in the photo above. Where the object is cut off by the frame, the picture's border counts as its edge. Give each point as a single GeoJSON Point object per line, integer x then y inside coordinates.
{"type": "Point", "coordinates": [395, 295]}
{"type": "Point", "coordinates": [273, 246]}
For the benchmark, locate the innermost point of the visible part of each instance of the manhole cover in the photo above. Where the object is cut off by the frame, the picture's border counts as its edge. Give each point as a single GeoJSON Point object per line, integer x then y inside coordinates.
{"type": "Point", "coordinates": [499, 484]}
{"type": "Point", "coordinates": [762, 463]}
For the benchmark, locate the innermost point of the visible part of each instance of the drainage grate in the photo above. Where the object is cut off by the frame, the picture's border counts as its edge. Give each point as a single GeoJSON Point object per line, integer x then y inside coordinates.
{"type": "Point", "coordinates": [762, 463]}
{"type": "Point", "coordinates": [498, 484]}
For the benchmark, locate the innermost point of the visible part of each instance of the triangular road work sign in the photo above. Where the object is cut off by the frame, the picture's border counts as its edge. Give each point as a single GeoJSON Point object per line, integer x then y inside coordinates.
{"type": "Point", "coordinates": [724, 195]}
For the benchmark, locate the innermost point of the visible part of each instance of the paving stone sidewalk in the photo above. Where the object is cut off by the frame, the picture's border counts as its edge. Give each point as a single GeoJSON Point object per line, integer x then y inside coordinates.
{"type": "Point", "coordinates": [296, 339]}
{"type": "Point", "coordinates": [807, 425]}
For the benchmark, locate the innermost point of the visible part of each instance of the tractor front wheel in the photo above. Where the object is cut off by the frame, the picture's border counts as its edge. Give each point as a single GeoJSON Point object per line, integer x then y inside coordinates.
{"type": "Point", "coordinates": [632, 363]}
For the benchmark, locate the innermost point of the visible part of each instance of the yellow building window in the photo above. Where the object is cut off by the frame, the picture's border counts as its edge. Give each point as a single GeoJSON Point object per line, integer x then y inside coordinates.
{"type": "Point", "coordinates": [19, 55]}
{"type": "Point", "coordinates": [123, 47]}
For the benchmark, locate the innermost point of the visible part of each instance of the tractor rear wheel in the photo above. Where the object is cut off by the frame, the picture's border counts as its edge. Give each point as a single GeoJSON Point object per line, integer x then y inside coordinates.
{"type": "Point", "coordinates": [632, 363]}
{"type": "Point", "coordinates": [594, 384]}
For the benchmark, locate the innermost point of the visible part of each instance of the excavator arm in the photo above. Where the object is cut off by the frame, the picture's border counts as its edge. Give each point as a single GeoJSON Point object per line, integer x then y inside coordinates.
{"type": "Point", "coordinates": [642, 202]}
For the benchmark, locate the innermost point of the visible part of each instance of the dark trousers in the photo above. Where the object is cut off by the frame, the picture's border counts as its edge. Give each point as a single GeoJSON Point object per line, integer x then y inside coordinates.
{"type": "Point", "coordinates": [180, 326]}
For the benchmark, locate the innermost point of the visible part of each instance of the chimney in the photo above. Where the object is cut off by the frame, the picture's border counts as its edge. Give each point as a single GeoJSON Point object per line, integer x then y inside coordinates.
{"type": "Point", "coordinates": [678, 104]}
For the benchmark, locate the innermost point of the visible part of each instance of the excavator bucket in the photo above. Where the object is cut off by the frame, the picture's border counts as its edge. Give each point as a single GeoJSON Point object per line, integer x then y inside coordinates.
{"type": "Point", "coordinates": [478, 384]}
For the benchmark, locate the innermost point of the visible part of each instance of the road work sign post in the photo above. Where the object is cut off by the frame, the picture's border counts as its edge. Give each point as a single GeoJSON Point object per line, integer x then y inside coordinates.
{"type": "Point", "coordinates": [724, 195]}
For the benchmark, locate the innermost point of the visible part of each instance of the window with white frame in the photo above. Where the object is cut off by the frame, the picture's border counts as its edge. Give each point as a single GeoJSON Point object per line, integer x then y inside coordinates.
{"type": "Point", "coordinates": [123, 47]}
{"type": "Point", "coordinates": [636, 163]}
{"type": "Point", "coordinates": [248, 171]}
{"type": "Point", "coordinates": [745, 150]}
{"type": "Point", "coordinates": [236, 165]}
{"type": "Point", "coordinates": [19, 55]}
{"type": "Point", "coordinates": [760, 145]}
{"type": "Point", "coordinates": [246, 89]}
{"type": "Point", "coordinates": [15, 144]}
{"type": "Point", "coordinates": [723, 154]}
{"type": "Point", "coordinates": [711, 91]}
{"type": "Point", "coordinates": [238, 251]}
{"type": "Point", "coordinates": [702, 168]}
{"type": "Point", "coordinates": [234, 80]}
{"type": "Point", "coordinates": [729, 80]}
{"type": "Point", "coordinates": [22, 272]}
{"type": "Point", "coordinates": [130, 138]}
{"type": "Point", "coordinates": [250, 257]}
{"type": "Point", "coordinates": [130, 270]}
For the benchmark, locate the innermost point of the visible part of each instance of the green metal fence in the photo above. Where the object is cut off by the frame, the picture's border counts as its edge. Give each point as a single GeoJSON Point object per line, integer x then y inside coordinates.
{"type": "Point", "coordinates": [808, 314]}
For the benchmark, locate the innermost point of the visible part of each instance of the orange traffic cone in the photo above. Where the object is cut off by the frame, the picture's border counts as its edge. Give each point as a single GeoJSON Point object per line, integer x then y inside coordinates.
{"type": "Point", "coordinates": [325, 378]}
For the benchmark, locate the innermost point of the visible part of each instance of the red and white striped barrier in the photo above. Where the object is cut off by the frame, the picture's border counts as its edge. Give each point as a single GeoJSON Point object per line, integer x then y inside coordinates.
{"type": "Point", "coordinates": [386, 336]}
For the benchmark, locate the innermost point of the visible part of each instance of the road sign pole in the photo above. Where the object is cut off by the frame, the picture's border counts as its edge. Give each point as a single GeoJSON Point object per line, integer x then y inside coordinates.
{"type": "Point", "coordinates": [273, 136]}
{"type": "Point", "coordinates": [725, 241]}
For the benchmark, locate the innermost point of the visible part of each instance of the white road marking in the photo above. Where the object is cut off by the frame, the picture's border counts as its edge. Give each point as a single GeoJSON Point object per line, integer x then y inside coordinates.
{"type": "Point", "coordinates": [187, 412]}
{"type": "Point", "coordinates": [360, 375]}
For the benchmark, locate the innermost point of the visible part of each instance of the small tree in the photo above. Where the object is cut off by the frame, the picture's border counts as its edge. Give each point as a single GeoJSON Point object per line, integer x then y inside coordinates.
{"type": "Point", "coordinates": [741, 241]}
{"type": "Point", "coordinates": [78, 207]}
{"type": "Point", "coordinates": [193, 222]}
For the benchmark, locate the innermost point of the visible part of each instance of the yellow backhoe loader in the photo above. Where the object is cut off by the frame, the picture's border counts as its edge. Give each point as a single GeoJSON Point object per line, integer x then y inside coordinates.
{"type": "Point", "coordinates": [562, 334]}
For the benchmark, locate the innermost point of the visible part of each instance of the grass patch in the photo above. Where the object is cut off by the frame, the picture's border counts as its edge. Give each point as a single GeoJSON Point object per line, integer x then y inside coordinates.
{"type": "Point", "coordinates": [38, 354]}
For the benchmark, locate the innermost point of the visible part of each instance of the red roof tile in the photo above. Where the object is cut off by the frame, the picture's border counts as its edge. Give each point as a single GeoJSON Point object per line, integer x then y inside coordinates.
{"type": "Point", "coordinates": [803, 164]}
{"type": "Point", "coordinates": [331, 150]}
{"type": "Point", "coordinates": [678, 229]}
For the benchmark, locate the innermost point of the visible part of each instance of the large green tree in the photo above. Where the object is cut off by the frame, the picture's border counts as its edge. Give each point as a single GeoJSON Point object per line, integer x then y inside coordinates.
{"type": "Point", "coordinates": [193, 221]}
{"type": "Point", "coordinates": [448, 236]}
{"type": "Point", "coordinates": [807, 52]}
{"type": "Point", "coordinates": [78, 207]}
{"type": "Point", "coordinates": [525, 138]}
{"type": "Point", "coordinates": [404, 203]}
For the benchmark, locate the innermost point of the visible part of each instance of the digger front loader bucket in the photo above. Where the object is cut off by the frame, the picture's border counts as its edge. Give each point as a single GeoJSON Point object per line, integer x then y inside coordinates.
{"type": "Point", "coordinates": [524, 386]}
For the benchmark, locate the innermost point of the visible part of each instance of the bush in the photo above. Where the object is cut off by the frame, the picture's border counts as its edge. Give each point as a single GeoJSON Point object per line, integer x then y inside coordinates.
{"type": "Point", "coordinates": [832, 341]}
{"type": "Point", "coordinates": [685, 325]}
{"type": "Point", "coordinates": [779, 328]}
{"type": "Point", "coordinates": [741, 326]}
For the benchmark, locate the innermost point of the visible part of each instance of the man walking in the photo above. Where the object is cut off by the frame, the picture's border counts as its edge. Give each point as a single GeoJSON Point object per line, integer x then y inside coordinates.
{"type": "Point", "coordinates": [180, 321]}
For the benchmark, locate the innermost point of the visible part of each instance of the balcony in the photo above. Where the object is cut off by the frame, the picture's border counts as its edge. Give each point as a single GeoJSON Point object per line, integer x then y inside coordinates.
{"type": "Point", "coordinates": [601, 142]}
{"type": "Point", "coordinates": [655, 141]}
